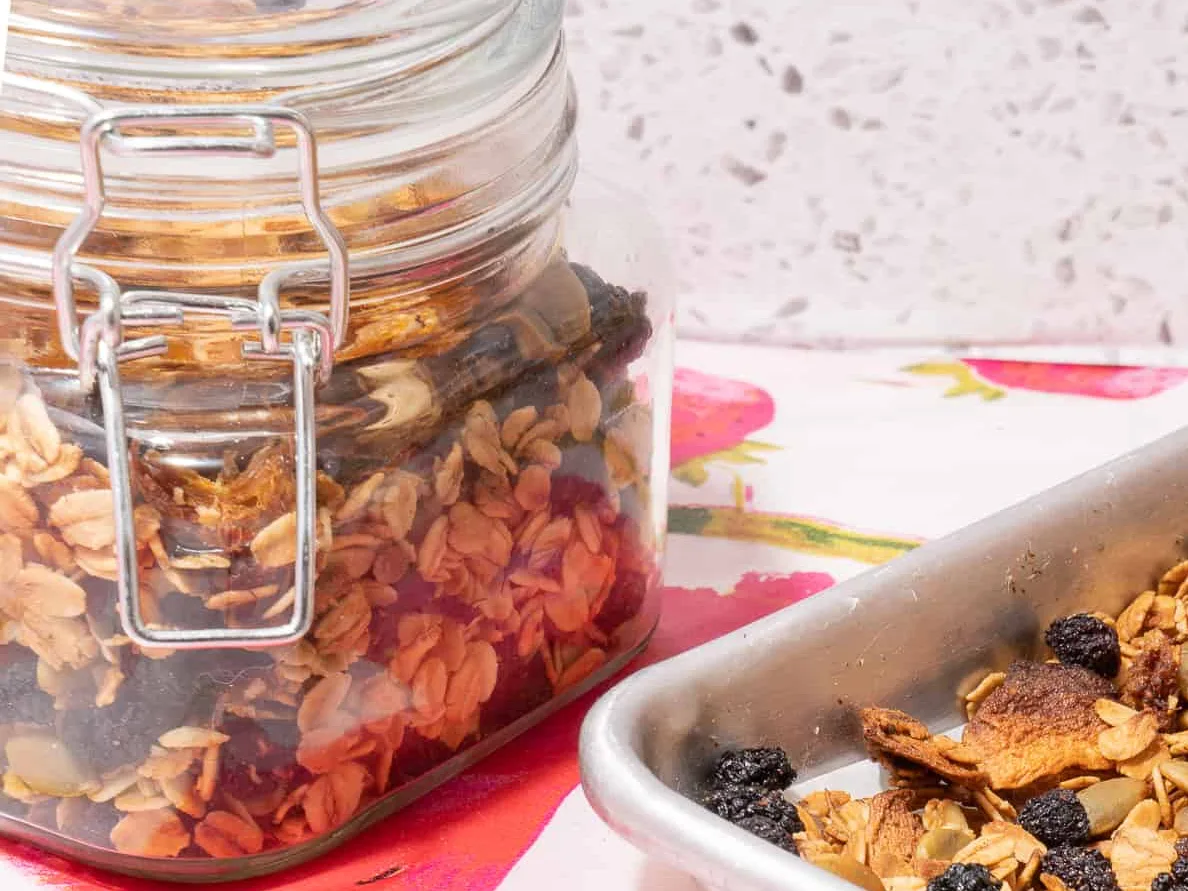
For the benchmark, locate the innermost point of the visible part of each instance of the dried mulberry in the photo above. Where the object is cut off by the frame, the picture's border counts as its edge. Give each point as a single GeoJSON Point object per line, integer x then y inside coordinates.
{"type": "Point", "coordinates": [738, 803]}
{"type": "Point", "coordinates": [1165, 881]}
{"type": "Point", "coordinates": [770, 831]}
{"type": "Point", "coordinates": [1081, 869]}
{"type": "Point", "coordinates": [764, 767]}
{"type": "Point", "coordinates": [965, 877]}
{"type": "Point", "coordinates": [1056, 818]}
{"type": "Point", "coordinates": [1086, 641]}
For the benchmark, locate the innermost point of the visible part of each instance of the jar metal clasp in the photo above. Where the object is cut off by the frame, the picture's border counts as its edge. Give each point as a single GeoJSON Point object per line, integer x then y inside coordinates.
{"type": "Point", "coordinates": [99, 343]}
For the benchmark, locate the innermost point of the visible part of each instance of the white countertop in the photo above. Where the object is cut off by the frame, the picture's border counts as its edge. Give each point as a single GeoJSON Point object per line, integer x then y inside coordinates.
{"type": "Point", "coordinates": [982, 170]}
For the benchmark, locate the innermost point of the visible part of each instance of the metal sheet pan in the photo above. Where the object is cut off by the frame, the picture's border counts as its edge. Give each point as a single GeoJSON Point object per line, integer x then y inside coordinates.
{"type": "Point", "coordinates": [914, 634]}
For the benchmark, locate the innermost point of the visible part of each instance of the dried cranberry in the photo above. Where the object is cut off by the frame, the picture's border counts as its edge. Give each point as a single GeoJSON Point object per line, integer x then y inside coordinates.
{"type": "Point", "coordinates": [521, 687]}
{"type": "Point", "coordinates": [583, 461]}
{"type": "Point", "coordinates": [625, 600]}
{"type": "Point", "coordinates": [568, 491]}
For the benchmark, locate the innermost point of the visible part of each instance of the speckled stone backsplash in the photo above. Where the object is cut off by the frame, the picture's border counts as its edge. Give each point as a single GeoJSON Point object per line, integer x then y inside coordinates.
{"type": "Point", "coordinates": [903, 170]}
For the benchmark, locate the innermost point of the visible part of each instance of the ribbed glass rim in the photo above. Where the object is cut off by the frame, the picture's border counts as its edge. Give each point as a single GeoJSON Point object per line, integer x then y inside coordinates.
{"type": "Point", "coordinates": [354, 42]}
{"type": "Point", "coordinates": [221, 25]}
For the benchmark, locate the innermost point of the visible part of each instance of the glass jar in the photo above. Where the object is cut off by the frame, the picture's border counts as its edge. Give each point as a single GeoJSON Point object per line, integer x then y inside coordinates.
{"type": "Point", "coordinates": [333, 417]}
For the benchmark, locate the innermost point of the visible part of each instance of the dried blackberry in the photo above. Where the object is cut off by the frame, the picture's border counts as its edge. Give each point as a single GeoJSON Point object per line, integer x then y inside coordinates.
{"type": "Point", "coordinates": [21, 699]}
{"type": "Point", "coordinates": [1081, 869]}
{"type": "Point", "coordinates": [185, 611]}
{"type": "Point", "coordinates": [480, 361]}
{"type": "Point", "coordinates": [1180, 868]}
{"type": "Point", "coordinates": [1056, 818]}
{"type": "Point", "coordinates": [769, 831]}
{"type": "Point", "coordinates": [965, 877]}
{"type": "Point", "coordinates": [764, 767]}
{"type": "Point", "coordinates": [1086, 641]}
{"type": "Point", "coordinates": [257, 758]}
{"type": "Point", "coordinates": [738, 803]}
{"type": "Point", "coordinates": [158, 695]}
{"type": "Point", "coordinates": [619, 316]}
{"type": "Point", "coordinates": [1165, 881]}
{"type": "Point", "coordinates": [120, 734]}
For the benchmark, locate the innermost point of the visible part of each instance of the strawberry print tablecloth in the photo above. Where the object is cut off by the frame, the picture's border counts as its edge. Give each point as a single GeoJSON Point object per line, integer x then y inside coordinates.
{"type": "Point", "coordinates": [792, 470]}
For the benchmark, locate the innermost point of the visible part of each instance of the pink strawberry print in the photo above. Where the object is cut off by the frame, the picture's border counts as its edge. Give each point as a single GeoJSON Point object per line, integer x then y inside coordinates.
{"type": "Point", "coordinates": [711, 414]}
{"type": "Point", "coordinates": [1097, 381]}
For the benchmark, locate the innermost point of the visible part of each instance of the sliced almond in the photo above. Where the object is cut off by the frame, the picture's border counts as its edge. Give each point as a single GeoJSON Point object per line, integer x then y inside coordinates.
{"type": "Point", "coordinates": [158, 833]}
{"type": "Point", "coordinates": [359, 498]}
{"type": "Point", "coordinates": [18, 512]}
{"type": "Point", "coordinates": [86, 518]}
{"type": "Point", "coordinates": [585, 408]}
{"type": "Point", "coordinates": [321, 702]}
{"type": "Point", "coordinates": [1176, 773]}
{"type": "Point", "coordinates": [192, 738]}
{"type": "Point", "coordinates": [851, 870]}
{"type": "Point", "coordinates": [134, 800]}
{"type": "Point", "coordinates": [224, 834]}
{"type": "Point", "coordinates": [276, 544]}
{"type": "Point", "coordinates": [987, 850]}
{"type": "Point", "coordinates": [1130, 622]}
{"type": "Point", "coordinates": [48, 593]}
{"type": "Point", "coordinates": [183, 795]}
{"type": "Point", "coordinates": [115, 785]}
{"type": "Point", "coordinates": [1113, 712]}
{"type": "Point", "coordinates": [1129, 739]}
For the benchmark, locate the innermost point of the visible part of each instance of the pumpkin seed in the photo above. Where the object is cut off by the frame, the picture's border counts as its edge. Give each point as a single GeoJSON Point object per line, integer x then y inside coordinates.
{"type": "Point", "coordinates": [943, 843]}
{"type": "Point", "coordinates": [851, 870]}
{"type": "Point", "coordinates": [1107, 803]}
{"type": "Point", "coordinates": [45, 765]}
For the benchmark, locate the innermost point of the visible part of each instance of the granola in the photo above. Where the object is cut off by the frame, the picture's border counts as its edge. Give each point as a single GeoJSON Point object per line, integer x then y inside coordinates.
{"type": "Point", "coordinates": [468, 572]}
{"type": "Point", "coordinates": [1071, 774]}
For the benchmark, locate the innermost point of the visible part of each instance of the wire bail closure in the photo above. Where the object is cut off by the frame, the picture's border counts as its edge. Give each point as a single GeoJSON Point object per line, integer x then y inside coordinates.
{"type": "Point", "coordinates": [98, 343]}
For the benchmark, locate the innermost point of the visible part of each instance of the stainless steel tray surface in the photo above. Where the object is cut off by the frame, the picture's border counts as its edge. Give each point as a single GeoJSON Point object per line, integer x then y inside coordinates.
{"type": "Point", "coordinates": [914, 634]}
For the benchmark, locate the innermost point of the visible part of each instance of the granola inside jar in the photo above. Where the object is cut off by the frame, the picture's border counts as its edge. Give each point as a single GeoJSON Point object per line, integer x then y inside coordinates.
{"type": "Point", "coordinates": [333, 418]}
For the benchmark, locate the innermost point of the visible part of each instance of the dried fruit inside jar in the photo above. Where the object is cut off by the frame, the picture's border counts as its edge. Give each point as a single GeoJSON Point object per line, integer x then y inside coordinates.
{"type": "Point", "coordinates": [485, 545]}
